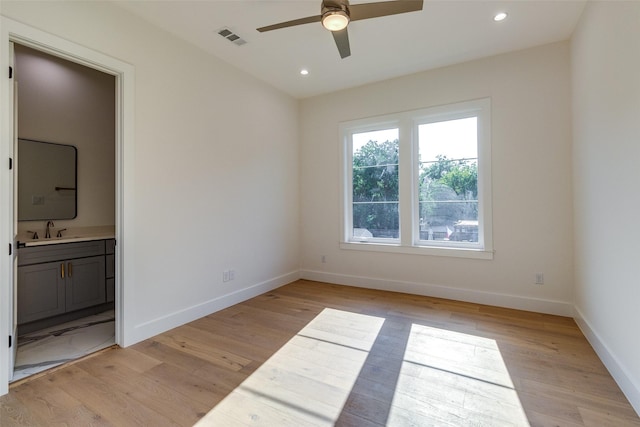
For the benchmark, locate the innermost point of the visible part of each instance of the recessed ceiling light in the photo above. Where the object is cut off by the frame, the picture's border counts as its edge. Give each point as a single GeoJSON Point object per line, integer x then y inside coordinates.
{"type": "Point", "coordinates": [500, 17]}
{"type": "Point", "coordinates": [304, 71]}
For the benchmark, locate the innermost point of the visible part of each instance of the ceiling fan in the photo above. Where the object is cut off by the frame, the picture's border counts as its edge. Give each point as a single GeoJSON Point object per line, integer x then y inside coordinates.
{"type": "Point", "coordinates": [335, 15]}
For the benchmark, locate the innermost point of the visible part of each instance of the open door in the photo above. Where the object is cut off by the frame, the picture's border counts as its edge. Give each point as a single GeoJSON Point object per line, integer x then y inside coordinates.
{"type": "Point", "coordinates": [13, 315]}
{"type": "Point", "coordinates": [14, 31]}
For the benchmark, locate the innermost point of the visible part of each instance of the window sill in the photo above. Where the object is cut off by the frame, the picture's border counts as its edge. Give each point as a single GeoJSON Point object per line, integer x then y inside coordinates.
{"type": "Point", "coordinates": [419, 250]}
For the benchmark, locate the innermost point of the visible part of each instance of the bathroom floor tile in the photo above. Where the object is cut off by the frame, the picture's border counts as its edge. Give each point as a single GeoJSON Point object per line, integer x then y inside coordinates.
{"type": "Point", "coordinates": [45, 349]}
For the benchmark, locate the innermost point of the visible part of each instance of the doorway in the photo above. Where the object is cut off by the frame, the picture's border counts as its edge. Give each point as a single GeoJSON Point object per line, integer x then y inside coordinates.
{"type": "Point", "coordinates": [16, 32]}
{"type": "Point", "coordinates": [65, 162]}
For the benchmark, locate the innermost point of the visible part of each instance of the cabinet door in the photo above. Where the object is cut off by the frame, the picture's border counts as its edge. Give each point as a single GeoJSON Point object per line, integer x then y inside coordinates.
{"type": "Point", "coordinates": [41, 289]}
{"type": "Point", "coordinates": [111, 266]}
{"type": "Point", "coordinates": [111, 290]}
{"type": "Point", "coordinates": [85, 285]}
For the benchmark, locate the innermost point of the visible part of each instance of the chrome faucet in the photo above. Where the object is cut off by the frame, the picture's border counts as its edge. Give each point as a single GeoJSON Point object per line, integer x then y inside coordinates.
{"type": "Point", "coordinates": [60, 232]}
{"type": "Point", "coordinates": [47, 234]}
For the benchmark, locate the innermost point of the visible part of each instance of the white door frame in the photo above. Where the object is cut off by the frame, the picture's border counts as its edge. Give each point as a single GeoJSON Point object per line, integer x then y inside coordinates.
{"type": "Point", "coordinates": [13, 31]}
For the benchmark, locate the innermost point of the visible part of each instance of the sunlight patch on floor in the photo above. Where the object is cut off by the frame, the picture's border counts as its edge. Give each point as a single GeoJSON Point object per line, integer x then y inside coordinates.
{"type": "Point", "coordinates": [451, 378]}
{"type": "Point", "coordinates": [307, 382]}
{"type": "Point", "coordinates": [438, 377]}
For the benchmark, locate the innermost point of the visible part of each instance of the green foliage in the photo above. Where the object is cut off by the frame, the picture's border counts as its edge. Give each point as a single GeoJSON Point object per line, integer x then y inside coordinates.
{"type": "Point", "coordinates": [459, 175]}
{"type": "Point", "coordinates": [375, 188]}
{"type": "Point", "coordinates": [375, 172]}
{"type": "Point", "coordinates": [448, 190]}
{"type": "Point", "coordinates": [435, 170]}
{"type": "Point", "coordinates": [463, 179]}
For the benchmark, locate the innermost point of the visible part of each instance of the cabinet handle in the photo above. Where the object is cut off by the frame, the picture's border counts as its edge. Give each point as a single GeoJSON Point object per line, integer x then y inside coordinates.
{"type": "Point", "coordinates": [69, 269]}
{"type": "Point", "coordinates": [62, 270]}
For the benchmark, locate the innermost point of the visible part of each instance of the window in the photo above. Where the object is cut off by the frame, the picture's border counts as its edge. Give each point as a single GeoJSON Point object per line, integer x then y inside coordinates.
{"type": "Point", "coordinates": [375, 192]}
{"type": "Point", "coordinates": [419, 182]}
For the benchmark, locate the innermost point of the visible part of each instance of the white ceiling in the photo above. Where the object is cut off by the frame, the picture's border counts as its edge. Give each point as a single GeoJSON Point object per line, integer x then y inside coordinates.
{"type": "Point", "coordinates": [445, 32]}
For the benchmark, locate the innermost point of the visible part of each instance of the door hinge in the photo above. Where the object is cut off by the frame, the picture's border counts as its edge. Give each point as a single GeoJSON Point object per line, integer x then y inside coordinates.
{"type": "Point", "coordinates": [10, 163]}
{"type": "Point", "coordinates": [10, 72]}
{"type": "Point", "coordinates": [10, 249]}
{"type": "Point", "coordinates": [10, 341]}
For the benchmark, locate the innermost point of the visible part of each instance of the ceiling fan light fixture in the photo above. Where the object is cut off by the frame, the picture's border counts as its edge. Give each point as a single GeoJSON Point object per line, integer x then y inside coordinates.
{"type": "Point", "coordinates": [335, 20]}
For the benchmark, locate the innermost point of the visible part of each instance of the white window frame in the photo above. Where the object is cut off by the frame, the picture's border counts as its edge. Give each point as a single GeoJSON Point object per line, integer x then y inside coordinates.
{"type": "Point", "coordinates": [362, 128]}
{"type": "Point", "coordinates": [409, 241]}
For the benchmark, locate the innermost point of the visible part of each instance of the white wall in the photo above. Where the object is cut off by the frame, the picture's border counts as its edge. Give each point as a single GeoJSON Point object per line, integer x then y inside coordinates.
{"type": "Point", "coordinates": [606, 149]}
{"type": "Point", "coordinates": [66, 103]}
{"type": "Point", "coordinates": [216, 168]}
{"type": "Point", "coordinates": [532, 210]}
{"type": "Point", "coordinates": [197, 212]}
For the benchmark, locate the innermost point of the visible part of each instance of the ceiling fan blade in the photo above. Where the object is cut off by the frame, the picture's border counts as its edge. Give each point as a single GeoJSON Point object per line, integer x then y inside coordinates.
{"type": "Point", "coordinates": [301, 21]}
{"type": "Point", "coordinates": [342, 42]}
{"type": "Point", "coordinates": [385, 8]}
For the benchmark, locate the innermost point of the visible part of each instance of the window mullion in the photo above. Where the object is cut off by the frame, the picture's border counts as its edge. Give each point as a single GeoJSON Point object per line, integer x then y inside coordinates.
{"type": "Point", "coordinates": [347, 199]}
{"type": "Point", "coordinates": [405, 178]}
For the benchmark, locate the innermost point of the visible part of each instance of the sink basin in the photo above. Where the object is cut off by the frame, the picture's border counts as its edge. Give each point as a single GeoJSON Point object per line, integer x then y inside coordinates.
{"type": "Point", "coordinates": [80, 234]}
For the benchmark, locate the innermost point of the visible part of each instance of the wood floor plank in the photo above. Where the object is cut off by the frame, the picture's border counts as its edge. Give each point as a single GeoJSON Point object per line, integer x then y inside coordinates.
{"type": "Point", "coordinates": [593, 418]}
{"type": "Point", "coordinates": [110, 403]}
{"type": "Point", "coordinates": [259, 410]}
{"type": "Point", "coordinates": [52, 406]}
{"type": "Point", "coordinates": [157, 396]}
{"type": "Point", "coordinates": [581, 397]}
{"type": "Point", "coordinates": [217, 356]}
{"type": "Point", "coordinates": [134, 360]}
{"type": "Point", "coordinates": [537, 419]}
{"type": "Point", "coordinates": [246, 350]}
{"type": "Point", "coordinates": [209, 388]}
{"type": "Point", "coordinates": [315, 354]}
{"type": "Point", "coordinates": [14, 413]}
{"type": "Point", "coordinates": [347, 419]}
{"type": "Point", "coordinates": [253, 332]}
{"type": "Point", "coordinates": [167, 354]}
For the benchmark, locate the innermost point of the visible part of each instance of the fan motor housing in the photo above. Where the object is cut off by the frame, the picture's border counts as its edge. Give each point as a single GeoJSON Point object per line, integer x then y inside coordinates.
{"type": "Point", "coordinates": [331, 6]}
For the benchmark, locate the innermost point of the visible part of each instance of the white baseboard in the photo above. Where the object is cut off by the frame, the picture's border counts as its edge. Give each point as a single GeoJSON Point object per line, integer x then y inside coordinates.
{"type": "Point", "coordinates": [159, 325]}
{"type": "Point", "coordinates": [559, 308]}
{"type": "Point", "coordinates": [618, 371]}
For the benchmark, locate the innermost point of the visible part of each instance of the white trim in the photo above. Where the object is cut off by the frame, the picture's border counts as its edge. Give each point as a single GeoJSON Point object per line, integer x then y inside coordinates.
{"type": "Point", "coordinates": [559, 308]}
{"type": "Point", "coordinates": [455, 252]}
{"type": "Point", "coordinates": [125, 77]}
{"type": "Point", "coordinates": [6, 211]}
{"type": "Point", "coordinates": [189, 314]}
{"type": "Point", "coordinates": [347, 130]}
{"type": "Point", "coordinates": [618, 371]}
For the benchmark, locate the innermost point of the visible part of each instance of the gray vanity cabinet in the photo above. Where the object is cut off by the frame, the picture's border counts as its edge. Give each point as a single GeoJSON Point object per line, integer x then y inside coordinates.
{"type": "Point", "coordinates": [111, 269]}
{"type": "Point", "coordinates": [85, 284]}
{"type": "Point", "coordinates": [41, 291]}
{"type": "Point", "coordinates": [60, 278]}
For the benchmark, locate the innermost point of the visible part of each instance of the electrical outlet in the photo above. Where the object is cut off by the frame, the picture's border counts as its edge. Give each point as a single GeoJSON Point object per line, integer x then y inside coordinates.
{"type": "Point", "coordinates": [232, 274]}
{"type": "Point", "coordinates": [539, 278]}
{"type": "Point", "coordinates": [324, 259]}
{"type": "Point", "coordinates": [225, 276]}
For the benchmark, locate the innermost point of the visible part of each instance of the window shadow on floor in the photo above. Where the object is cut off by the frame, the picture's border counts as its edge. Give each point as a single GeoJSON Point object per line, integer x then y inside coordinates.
{"type": "Point", "coordinates": [373, 392]}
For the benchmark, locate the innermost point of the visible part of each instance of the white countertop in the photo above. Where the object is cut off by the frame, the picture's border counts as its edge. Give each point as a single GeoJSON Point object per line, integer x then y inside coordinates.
{"type": "Point", "coordinates": [80, 234]}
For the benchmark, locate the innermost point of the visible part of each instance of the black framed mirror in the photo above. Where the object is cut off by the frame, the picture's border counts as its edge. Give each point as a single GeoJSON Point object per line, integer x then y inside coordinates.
{"type": "Point", "coordinates": [47, 180]}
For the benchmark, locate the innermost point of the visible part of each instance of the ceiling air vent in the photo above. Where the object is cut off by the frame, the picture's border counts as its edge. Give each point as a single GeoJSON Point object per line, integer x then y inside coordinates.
{"type": "Point", "coordinates": [232, 37]}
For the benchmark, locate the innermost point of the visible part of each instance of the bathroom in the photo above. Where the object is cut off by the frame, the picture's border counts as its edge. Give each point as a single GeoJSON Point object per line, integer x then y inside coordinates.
{"type": "Point", "coordinates": [66, 116]}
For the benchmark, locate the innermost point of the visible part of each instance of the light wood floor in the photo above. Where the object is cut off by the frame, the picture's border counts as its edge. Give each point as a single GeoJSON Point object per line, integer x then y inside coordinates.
{"type": "Point", "coordinates": [316, 354]}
